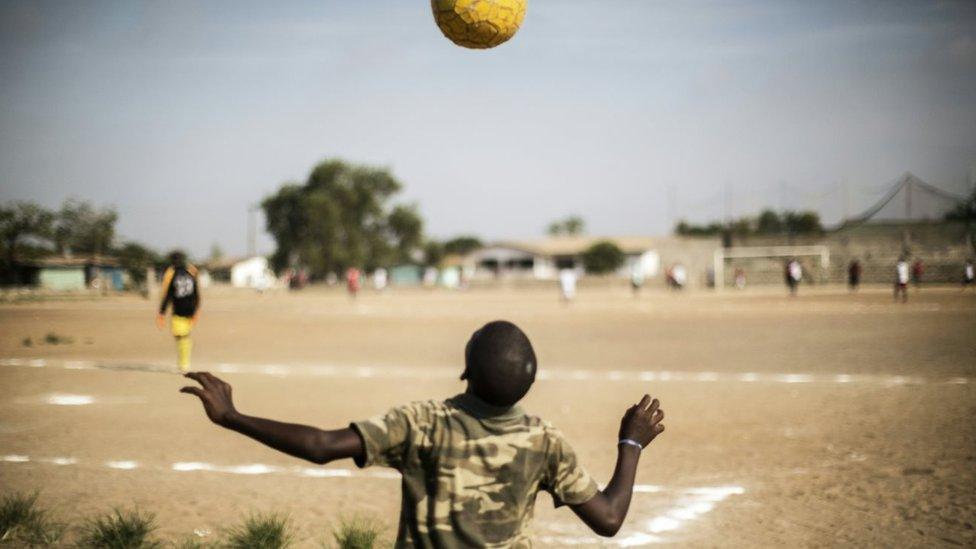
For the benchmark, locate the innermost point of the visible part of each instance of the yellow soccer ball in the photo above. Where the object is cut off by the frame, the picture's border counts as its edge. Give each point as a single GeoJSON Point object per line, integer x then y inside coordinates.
{"type": "Point", "coordinates": [478, 24]}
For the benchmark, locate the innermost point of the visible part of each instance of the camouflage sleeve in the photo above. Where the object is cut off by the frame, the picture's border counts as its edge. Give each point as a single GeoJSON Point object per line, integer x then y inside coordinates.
{"type": "Point", "coordinates": [385, 438]}
{"type": "Point", "coordinates": [565, 478]}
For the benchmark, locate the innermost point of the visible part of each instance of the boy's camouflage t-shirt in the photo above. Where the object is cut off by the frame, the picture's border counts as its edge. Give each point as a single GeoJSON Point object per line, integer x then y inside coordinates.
{"type": "Point", "coordinates": [471, 471]}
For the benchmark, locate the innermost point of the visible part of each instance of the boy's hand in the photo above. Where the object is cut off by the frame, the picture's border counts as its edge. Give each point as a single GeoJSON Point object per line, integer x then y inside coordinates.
{"type": "Point", "coordinates": [160, 320]}
{"type": "Point", "coordinates": [215, 395]}
{"type": "Point", "coordinates": [642, 422]}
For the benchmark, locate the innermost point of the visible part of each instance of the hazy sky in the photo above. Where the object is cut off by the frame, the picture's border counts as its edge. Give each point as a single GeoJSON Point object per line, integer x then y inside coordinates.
{"type": "Point", "coordinates": [630, 113]}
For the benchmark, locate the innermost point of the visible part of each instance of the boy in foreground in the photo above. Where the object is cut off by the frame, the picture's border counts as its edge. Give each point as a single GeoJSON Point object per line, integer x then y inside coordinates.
{"type": "Point", "coordinates": [181, 290]}
{"type": "Point", "coordinates": [472, 464]}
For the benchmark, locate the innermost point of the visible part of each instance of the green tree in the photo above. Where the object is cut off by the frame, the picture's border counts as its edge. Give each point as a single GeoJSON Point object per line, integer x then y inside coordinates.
{"type": "Point", "coordinates": [570, 226]}
{"type": "Point", "coordinates": [687, 229]}
{"type": "Point", "coordinates": [433, 253]}
{"type": "Point", "coordinates": [462, 245]}
{"type": "Point", "coordinates": [769, 222]}
{"type": "Point", "coordinates": [341, 218]}
{"type": "Point", "coordinates": [406, 229]}
{"type": "Point", "coordinates": [136, 258]}
{"type": "Point", "coordinates": [806, 222]}
{"type": "Point", "coordinates": [83, 228]}
{"type": "Point", "coordinates": [603, 257]}
{"type": "Point", "coordinates": [17, 221]}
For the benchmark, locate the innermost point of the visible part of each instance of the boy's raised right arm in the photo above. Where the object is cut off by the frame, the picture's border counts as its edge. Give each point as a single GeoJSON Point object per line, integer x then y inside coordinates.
{"type": "Point", "coordinates": [605, 512]}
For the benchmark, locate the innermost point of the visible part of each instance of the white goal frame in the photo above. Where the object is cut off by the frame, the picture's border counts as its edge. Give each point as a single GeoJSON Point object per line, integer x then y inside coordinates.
{"type": "Point", "coordinates": [745, 252]}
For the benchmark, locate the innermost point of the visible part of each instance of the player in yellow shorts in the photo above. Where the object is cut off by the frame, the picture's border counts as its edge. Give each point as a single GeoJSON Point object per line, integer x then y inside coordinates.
{"type": "Point", "coordinates": [180, 288]}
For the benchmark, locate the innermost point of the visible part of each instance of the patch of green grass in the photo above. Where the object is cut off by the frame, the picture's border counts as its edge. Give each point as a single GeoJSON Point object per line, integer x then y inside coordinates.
{"type": "Point", "coordinates": [120, 530]}
{"type": "Point", "coordinates": [358, 532]}
{"type": "Point", "coordinates": [261, 531]}
{"type": "Point", "coordinates": [22, 521]}
{"type": "Point", "coordinates": [54, 339]}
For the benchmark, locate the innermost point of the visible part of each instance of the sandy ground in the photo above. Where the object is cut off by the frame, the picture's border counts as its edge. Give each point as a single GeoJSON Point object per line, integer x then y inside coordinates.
{"type": "Point", "coordinates": [821, 420]}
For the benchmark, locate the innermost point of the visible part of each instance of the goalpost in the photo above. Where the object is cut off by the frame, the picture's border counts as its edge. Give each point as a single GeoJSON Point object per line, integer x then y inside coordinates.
{"type": "Point", "coordinates": [747, 252]}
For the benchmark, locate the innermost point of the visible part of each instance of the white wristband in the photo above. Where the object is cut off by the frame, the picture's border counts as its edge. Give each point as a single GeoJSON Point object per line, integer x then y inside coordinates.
{"type": "Point", "coordinates": [630, 442]}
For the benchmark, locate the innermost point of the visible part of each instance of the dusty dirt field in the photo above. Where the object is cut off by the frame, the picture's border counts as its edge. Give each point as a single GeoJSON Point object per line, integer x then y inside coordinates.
{"type": "Point", "coordinates": [822, 420]}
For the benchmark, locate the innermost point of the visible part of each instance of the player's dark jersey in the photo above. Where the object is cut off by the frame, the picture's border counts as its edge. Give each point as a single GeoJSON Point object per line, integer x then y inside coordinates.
{"type": "Point", "coordinates": [180, 285]}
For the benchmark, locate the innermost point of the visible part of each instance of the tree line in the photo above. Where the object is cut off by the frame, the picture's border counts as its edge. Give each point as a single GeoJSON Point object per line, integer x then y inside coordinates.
{"type": "Point", "coordinates": [30, 232]}
{"type": "Point", "coordinates": [768, 222]}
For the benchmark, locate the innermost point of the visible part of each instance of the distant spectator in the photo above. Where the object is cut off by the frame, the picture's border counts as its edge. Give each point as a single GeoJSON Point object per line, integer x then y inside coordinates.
{"type": "Point", "coordinates": [636, 278]}
{"type": "Point", "coordinates": [353, 276]}
{"type": "Point", "coordinates": [968, 274]}
{"type": "Point", "coordinates": [854, 275]}
{"type": "Point", "coordinates": [567, 284]}
{"type": "Point", "coordinates": [430, 277]}
{"type": "Point", "coordinates": [679, 276]}
{"type": "Point", "coordinates": [740, 279]}
{"type": "Point", "coordinates": [918, 269]}
{"type": "Point", "coordinates": [379, 279]}
{"type": "Point", "coordinates": [901, 280]}
{"type": "Point", "coordinates": [794, 274]}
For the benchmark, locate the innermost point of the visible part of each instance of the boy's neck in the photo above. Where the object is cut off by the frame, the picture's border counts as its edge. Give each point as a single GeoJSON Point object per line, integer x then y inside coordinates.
{"type": "Point", "coordinates": [476, 406]}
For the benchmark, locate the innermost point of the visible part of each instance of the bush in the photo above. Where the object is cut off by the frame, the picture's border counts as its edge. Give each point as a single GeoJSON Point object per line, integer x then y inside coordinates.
{"type": "Point", "coordinates": [270, 531]}
{"type": "Point", "coordinates": [357, 533]}
{"type": "Point", "coordinates": [120, 530]}
{"type": "Point", "coordinates": [603, 257]}
{"type": "Point", "coordinates": [22, 521]}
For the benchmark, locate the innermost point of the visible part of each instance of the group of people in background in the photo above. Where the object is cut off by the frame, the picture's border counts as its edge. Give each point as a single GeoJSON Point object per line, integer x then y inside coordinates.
{"type": "Point", "coordinates": [906, 274]}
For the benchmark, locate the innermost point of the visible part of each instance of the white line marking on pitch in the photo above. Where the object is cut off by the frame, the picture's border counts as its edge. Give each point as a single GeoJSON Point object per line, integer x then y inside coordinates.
{"type": "Point", "coordinates": [397, 372]}
{"type": "Point", "coordinates": [689, 503]}
{"type": "Point", "coordinates": [59, 399]}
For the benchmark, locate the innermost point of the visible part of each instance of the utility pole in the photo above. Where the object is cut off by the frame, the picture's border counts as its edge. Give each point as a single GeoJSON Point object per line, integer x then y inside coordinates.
{"type": "Point", "coordinates": [908, 198]}
{"type": "Point", "coordinates": [252, 230]}
{"type": "Point", "coordinates": [672, 206]}
{"type": "Point", "coordinates": [847, 198]}
{"type": "Point", "coordinates": [728, 202]}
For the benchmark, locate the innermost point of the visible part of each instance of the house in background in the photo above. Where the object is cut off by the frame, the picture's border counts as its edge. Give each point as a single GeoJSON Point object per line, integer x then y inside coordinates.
{"type": "Point", "coordinates": [80, 273]}
{"type": "Point", "coordinates": [253, 272]}
{"type": "Point", "coordinates": [542, 259]}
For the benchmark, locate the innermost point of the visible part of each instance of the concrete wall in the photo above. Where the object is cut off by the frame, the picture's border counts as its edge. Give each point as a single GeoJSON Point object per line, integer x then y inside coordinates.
{"type": "Point", "coordinates": [942, 247]}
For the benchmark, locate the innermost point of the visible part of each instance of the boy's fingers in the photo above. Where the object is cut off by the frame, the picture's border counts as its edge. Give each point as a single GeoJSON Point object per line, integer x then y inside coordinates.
{"type": "Point", "coordinates": [654, 406]}
{"type": "Point", "coordinates": [190, 390]}
{"type": "Point", "coordinates": [657, 416]}
{"type": "Point", "coordinates": [642, 405]}
{"type": "Point", "coordinates": [208, 380]}
{"type": "Point", "coordinates": [659, 428]}
{"type": "Point", "coordinates": [195, 376]}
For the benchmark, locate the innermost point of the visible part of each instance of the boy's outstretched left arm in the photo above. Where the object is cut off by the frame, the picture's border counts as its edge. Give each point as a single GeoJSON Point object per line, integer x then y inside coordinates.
{"type": "Point", "coordinates": [301, 441]}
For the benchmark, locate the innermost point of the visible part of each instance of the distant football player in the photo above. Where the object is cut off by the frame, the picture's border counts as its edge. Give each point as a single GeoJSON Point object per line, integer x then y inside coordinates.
{"type": "Point", "coordinates": [854, 275]}
{"type": "Point", "coordinates": [181, 289]}
{"type": "Point", "coordinates": [353, 283]}
{"type": "Point", "coordinates": [794, 275]}
{"type": "Point", "coordinates": [901, 280]}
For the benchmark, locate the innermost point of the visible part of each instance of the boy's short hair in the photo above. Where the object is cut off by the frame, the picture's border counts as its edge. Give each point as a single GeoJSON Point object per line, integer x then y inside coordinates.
{"type": "Point", "coordinates": [500, 364]}
{"type": "Point", "coordinates": [177, 258]}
